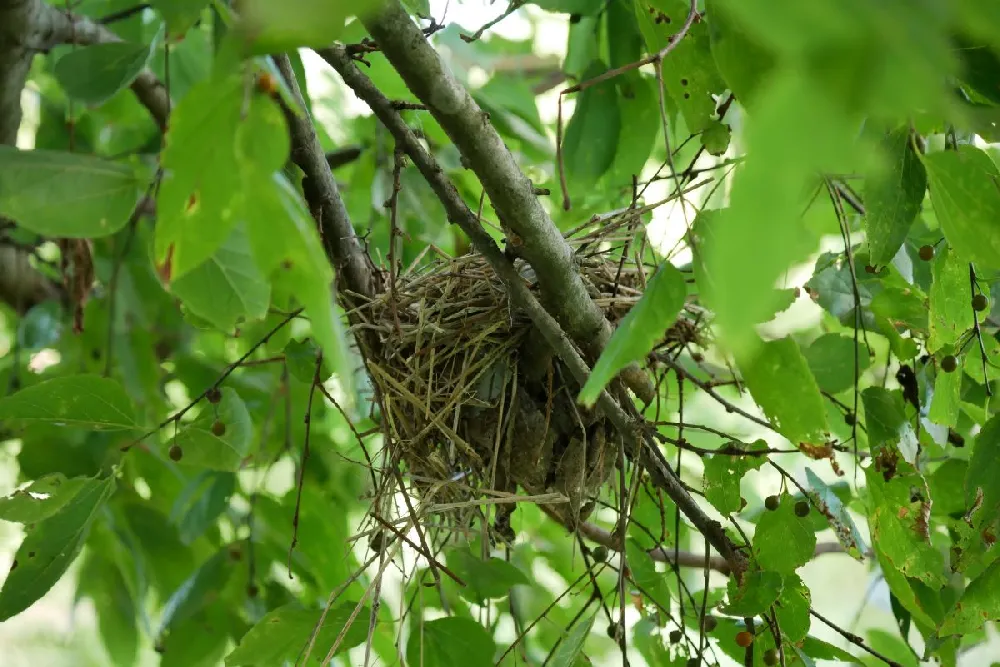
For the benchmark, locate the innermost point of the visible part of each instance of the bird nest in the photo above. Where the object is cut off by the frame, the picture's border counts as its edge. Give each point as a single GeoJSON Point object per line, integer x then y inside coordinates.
{"type": "Point", "coordinates": [471, 399]}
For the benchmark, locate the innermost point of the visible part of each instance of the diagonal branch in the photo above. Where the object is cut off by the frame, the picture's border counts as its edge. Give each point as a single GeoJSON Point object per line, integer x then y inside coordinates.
{"type": "Point", "coordinates": [528, 226]}
{"type": "Point", "coordinates": [637, 443]}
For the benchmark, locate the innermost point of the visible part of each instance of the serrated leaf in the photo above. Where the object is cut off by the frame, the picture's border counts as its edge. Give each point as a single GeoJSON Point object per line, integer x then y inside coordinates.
{"type": "Point", "coordinates": [983, 476]}
{"type": "Point", "coordinates": [792, 609]}
{"type": "Point", "coordinates": [885, 415]}
{"type": "Point", "coordinates": [571, 647]}
{"type": "Point", "coordinates": [51, 547]}
{"type": "Point", "coordinates": [83, 401]}
{"type": "Point", "coordinates": [755, 595]}
{"type": "Point", "coordinates": [783, 542]}
{"type": "Point", "coordinates": [783, 386]}
{"type": "Point", "coordinates": [227, 288]}
{"type": "Point", "coordinates": [965, 191]}
{"type": "Point", "coordinates": [450, 642]}
{"type": "Point", "coordinates": [724, 472]}
{"type": "Point", "coordinates": [979, 603]}
{"type": "Point", "coordinates": [484, 579]}
{"type": "Point", "coordinates": [283, 633]}
{"type": "Point", "coordinates": [893, 196]}
{"type": "Point", "coordinates": [831, 360]}
{"type": "Point", "coordinates": [60, 194]}
{"type": "Point", "coordinates": [591, 138]}
{"type": "Point", "coordinates": [640, 331]}
{"type": "Point", "coordinates": [950, 300]}
{"type": "Point", "coordinates": [40, 499]}
{"type": "Point", "coordinates": [202, 448]}
{"type": "Point", "coordinates": [93, 74]}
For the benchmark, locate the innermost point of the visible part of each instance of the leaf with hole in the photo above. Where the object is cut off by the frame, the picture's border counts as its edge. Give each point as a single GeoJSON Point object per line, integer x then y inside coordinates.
{"type": "Point", "coordinates": [640, 331]}
{"type": "Point", "coordinates": [60, 194]}
{"type": "Point", "coordinates": [82, 401]}
{"type": "Point", "coordinates": [51, 547]}
{"type": "Point", "coordinates": [40, 499]}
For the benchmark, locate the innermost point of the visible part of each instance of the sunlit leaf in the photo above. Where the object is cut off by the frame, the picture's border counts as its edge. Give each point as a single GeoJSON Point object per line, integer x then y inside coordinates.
{"type": "Point", "coordinates": [283, 633]}
{"type": "Point", "coordinates": [965, 191]}
{"type": "Point", "coordinates": [832, 507]}
{"type": "Point", "coordinates": [51, 547]}
{"type": "Point", "coordinates": [40, 499]}
{"type": "Point", "coordinates": [84, 401]}
{"type": "Point", "coordinates": [571, 648]}
{"type": "Point", "coordinates": [979, 603]}
{"type": "Point", "coordinates": [640, 331]}
{"type": "Point", "coordinates": [950, 300]}
{"type": "Point", "coordinates": [783, 542]}
{"type": "Point", "coordinates": [893, 196]}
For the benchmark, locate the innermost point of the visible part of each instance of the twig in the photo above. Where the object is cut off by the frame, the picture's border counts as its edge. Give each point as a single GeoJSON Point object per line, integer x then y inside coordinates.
{"type": "Point", "coordinates": [854, 639]}
{"type": "Point", "coordinates": [305, 458]}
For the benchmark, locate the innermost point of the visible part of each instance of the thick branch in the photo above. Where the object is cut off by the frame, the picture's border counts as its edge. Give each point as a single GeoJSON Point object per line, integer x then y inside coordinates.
{"type": "Point", "coordinates": [458, 212]}
{"type": "Point", "coordinates": [510, 191]}
{"type": "Point", "coordinates": [350, 260]}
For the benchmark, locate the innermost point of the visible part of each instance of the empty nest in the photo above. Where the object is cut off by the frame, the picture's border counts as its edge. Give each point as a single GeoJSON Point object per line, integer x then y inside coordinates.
{"type": "Point", "coordinates": [472, 401]}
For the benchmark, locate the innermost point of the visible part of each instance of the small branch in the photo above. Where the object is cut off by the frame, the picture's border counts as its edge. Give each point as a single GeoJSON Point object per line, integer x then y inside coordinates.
{"type": "Point", "coordinates": [854, 639]}
{"type": "Point", "coordinates": [323, 196]}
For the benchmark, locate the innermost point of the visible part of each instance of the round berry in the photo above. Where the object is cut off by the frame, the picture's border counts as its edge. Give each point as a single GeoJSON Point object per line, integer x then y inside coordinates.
{"type": "Point", "coordinates": [266, 83]}
{"type": "Point", "coordinates": [926, 252]}
{"type": "Point", "coordinates": [744, 639]}
{"type": "Point", "coordinates": [710, 623]}
{"type": "Point", "coordinates": [770, 657]}
{"type": "Point", "coordinates": [675, 636]}
{"type": "Point", "coordinates": [252, 590]}
{"type": "Point", "coordinates": [772, 502]}
{"type": "Point", "coordinates": [218, 429]}
{"type": "Point", "coordinates": [980, 303]}
{"type": "Point", "coordinates": [949, 364]}
{"type": "Point", "coordinates": [870, 269]}
{"type": "Point", "coordinates": [175, 452]}
{"type": "Point", "coordinates": [214, 395]}
{"type": "Point", "coordinates": [600, 554]}
{"type": "Point", "coordinates": [802, 509]}
{"type": "Point", "coordinates": [850, 419]}
{"type": "Point", "coordinates": [613, 630]}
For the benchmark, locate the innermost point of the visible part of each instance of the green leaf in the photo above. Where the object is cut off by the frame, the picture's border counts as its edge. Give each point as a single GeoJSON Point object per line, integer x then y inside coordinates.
{"type": "Point", "coordinates": [840, 520]}
{"type": "Point", "coordinates": [831, 360]}
{"type": "Point", "coordinates": [591, 138]}
{"type": "Point", "coordinates": [227, 288]}
{"type": "Point", "coordinates": [202, 448]}
{"type": "Point", "coordinates": [450, 642]}
{"type": "Point", "coordinates": [885, 416]}
{"type": "Point", "coordinates": [283, 634]}
{"type": "Point", "coordinates": [965, 191]}
{"type": "Point", "coordinates": [637, 137]}
{"type": "Point", "coordinates": [983, 476]}
{"type": "Point", "coordinates": [979, 603]}
{"type": "Point", "coordinates": [742, 62]}
{"type": "Point", "coordinates": [40, 499]}
{"type": "Point", "coordinates": [724, 472]}
{"type": "Point", "coordinates": [201, 196]}
{"type": "Point", "coordinates": [200, 503]}
{"type": "Point", "coordinates": [484, 579]}
{"type": "Point", "coordinates": [644, 574]}
{"type": "Point", "coordinates": [93, 74]}
{"type": "Point", "coordinates": [640, 331]}
{"type": "Point", "coordinates": [895, 527]}
{"type": "Point", "coordinates": [893, 196]}
{"type": "Point", "coordinates": [59, 194]}
{"type": "Point", "coordinates": [84, 401]}
{"type": "Point", "coordinates": [625, 47]}
{"type": "Point", "coordinates": [783, 542]}
{"type": "Point", "coordinates": [179, 15]}
{"type": "Point", "coordinates": [267, 27]}
{"type": "Point", "coordinates": [571, 647]}
{"type": "Point", "coordinates": [792, 609]}
{"type": "Point", "coordinates": [755, 595]}
{"type": "Point", "coordinates": [50, 548]}
{"type": "Point", "coordinates": [197, 591]}
{"type": "Point", "coordinates": [689, 74]}
{"type": "Point", "coordinates": [950, 307]}
{"type": "Point", "coordinates": [783, 386]}
{"type": "Point", "coordinates": [102, 580]}
{"type": "Point", "coordinates": [947, 400]}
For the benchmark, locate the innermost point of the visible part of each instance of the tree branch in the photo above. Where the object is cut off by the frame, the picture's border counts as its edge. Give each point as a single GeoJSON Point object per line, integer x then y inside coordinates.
{"type": "Point", "coordinates": [639, 446]}
{"type": "Point", "coordinates": [349, 258]}
{"type": "Point", "coordinates": [529, 228]}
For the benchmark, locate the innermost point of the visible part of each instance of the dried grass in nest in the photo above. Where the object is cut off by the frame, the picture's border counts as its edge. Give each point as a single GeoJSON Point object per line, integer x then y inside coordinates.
{"type": "Point", "coordinates": [462, 391]}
